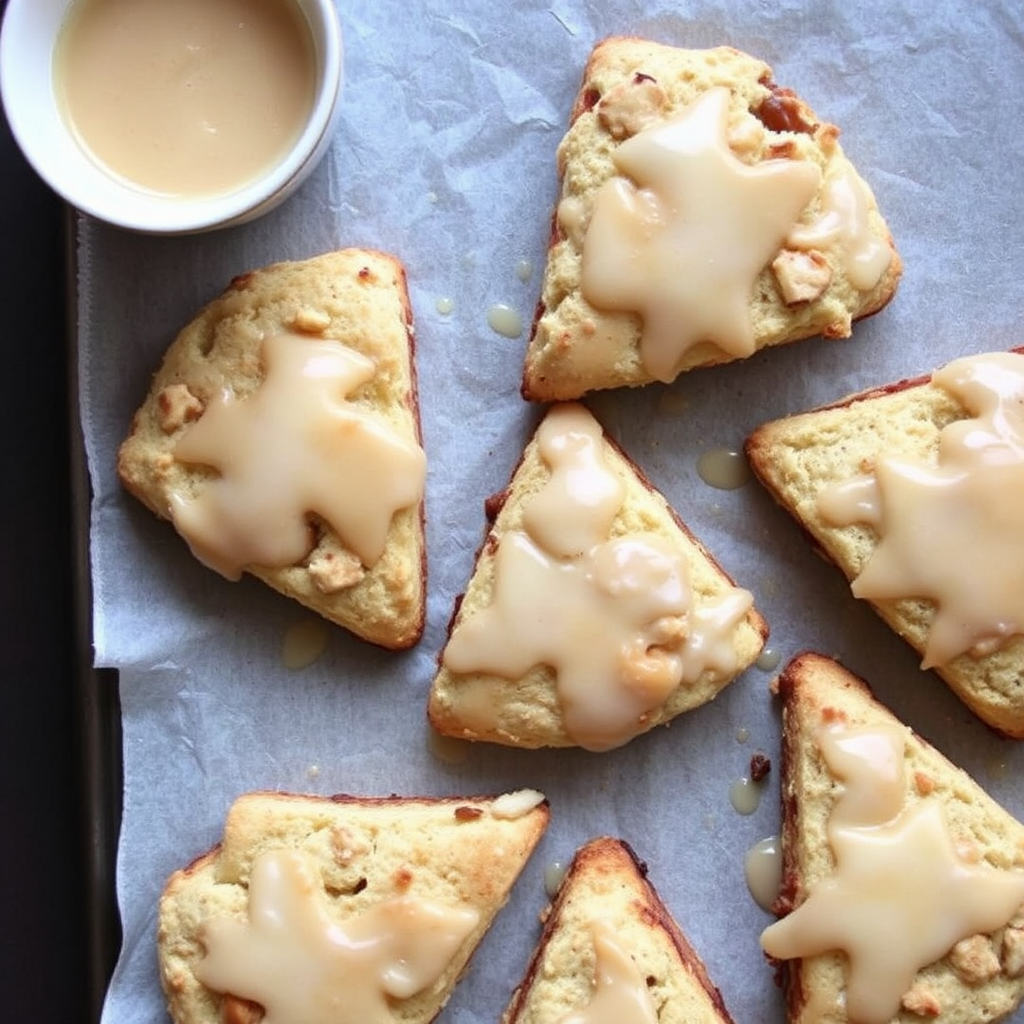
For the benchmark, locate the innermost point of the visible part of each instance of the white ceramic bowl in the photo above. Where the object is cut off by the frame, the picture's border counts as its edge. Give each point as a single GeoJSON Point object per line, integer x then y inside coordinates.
{"type": "Point", "coordinates": [27, 39]}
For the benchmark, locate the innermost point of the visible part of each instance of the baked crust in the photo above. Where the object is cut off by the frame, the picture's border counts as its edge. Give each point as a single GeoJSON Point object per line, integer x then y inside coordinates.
{"type": "Point", "coordinates": [798, 457]}
{"type": "Point", "coordinates": [816, 690]}
{"type": "Point", "coordinates": [528, 713]}
{"type": "Point", "coordinates": [575, 348]}
{"type": "Point", "coordinates": [607, 882]}
{"type": "Point", "coordinates": [458, 851]}
{"type": "Point", "coordinates": [359, 298]}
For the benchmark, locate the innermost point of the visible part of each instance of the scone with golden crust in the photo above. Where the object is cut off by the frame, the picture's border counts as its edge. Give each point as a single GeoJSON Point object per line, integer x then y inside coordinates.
{"type": "Point", "coordinates": [593, 614]}
{"type": "Point", "coordinates": [672, 249]}
{"type": "Point", "coordinates": [342, 330]}
{"type": "Point", "coordinates": [608, 928]}
{"type": "Point", "coordinates": [920, 430]}
{"type": "Point", "coordinates": [889, 851]}
{"type": "Point", "coordinates": [311, 906]}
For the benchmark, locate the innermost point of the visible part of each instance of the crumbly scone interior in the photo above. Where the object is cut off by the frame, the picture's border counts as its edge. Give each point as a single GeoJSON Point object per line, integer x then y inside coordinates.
{"type": "Point", "coordinates": [798, 458]}
{"type": "Point", "coordinates": [606, 885]}
{"type": "Point", "coordinates": [453, 852]}
{"type": "Point", "coordinates": [982, 977]}
{"type": "Point", "coordinates": [630, 85]}
{"type": "Point", "coordinates": [527, 711]}
{"type": "Point", "coordinates": [357, 298]}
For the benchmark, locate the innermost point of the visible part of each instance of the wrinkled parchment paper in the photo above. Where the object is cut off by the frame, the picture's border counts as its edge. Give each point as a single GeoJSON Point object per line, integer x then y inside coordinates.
{"type": "Point", "coordinates": [445, 157]}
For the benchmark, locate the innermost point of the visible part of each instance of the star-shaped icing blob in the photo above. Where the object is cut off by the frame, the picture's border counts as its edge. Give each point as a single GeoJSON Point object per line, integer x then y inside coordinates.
{"type": "Point", "coordinates": [680, 238]}
{"type": "Point", "coordinates": [899, 900]}
{"type": "Point", "coordinates": [951, 532]}
{"type": "Point", "coordinates": [294, 446]}
{"type": "Point", "coordinates": [303, 967]}
{"type": "Point", "coordinates": [602, 644]}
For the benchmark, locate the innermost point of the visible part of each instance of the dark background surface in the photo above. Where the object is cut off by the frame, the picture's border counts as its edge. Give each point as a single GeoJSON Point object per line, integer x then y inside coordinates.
{"type": "Point", "coordinates": [58, 723]}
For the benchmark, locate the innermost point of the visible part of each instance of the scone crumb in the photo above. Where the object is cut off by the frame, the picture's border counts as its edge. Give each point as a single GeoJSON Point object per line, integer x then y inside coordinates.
{"type": "Point", "coordinates": [801, 276]}
{"type": "Point", "coordinates": [923, 783]}
{"type": "Point", "coordinates": [670, 631]}
{"type": "Point", "coordinates": [311, 321]}
{"type": "Point", "coordinates": [785, 150]}
{"type": "Point", "coordinates": [745, 137]}
{"type": "Point", "coordinates": [974, 960]}
{"type": "Point", "coordinates": [838, 329]}
{"type": "Point", "coordinates": [629, 107]}
{"type": "Point", "coordinates": [1012, 956]}
{"type": "Point", "coordinates": [346, 847]}
{"type": "Point", "coordinates": [332, 571]}
{"type": "Point", "coordinates": [176, 406]}
{"type": "Point", "coordinates": [921, 1000]}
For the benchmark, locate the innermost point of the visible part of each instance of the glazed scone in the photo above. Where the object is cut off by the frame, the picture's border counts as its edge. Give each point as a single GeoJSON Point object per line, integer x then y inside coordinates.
{"type": "Point", "coordinates": [903, 880]}
{"type": "Point", "coordinates": [705, 213]}
{"type": "Point", "coordinates": [916, 490]}
{"type": "Point", "coordinates": [611, 951]}
{"type": "Point", "coordinates": [592, 614]}
{"type": "Point", "coordinates": [340, 909]}
{"type": "Point", "coordinates": [281, 437]}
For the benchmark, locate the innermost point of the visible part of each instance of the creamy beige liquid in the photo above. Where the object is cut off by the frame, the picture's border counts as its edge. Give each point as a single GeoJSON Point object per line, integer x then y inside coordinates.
{"type": "Point", "coordinates": [504, 320]}
{"type": "Point", "coordinates": [762, 868]}
{"type": "Point", "coordinates": [554, 875]}
{"type": "Point", "coordinates": [185, 98]}
{"type": "Point", "coordinates": [724, 468]}
{"type": "Point", "coordinates": [745, 795]}
{"type": "Point", "coordinates": [303, 643]}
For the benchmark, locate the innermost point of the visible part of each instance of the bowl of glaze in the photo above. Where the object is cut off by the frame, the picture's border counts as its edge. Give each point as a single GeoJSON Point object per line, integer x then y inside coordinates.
{"type": "Point", "coordinates": [233, 104]}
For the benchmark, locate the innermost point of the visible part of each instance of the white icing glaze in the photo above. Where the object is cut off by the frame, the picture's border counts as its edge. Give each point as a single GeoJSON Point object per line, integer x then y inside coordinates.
{"type": "Point", "coordinates": [301, 964]}
{"type": "Point", "coordinates": [292, 447]}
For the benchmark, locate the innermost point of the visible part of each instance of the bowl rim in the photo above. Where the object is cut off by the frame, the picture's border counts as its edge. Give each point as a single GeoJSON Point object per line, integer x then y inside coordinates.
{"type": "Point", "coordinates": [29, 100]}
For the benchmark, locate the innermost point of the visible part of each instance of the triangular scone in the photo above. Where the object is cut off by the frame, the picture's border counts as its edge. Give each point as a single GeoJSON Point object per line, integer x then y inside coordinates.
{"type": "Point", "coordinates": [310, 474]}
{"type": "Point", "coordinates": [916, 491]}
{"type": "Point", "coordinates": [903, 881]}
{"type": "Point", "coordinates": [609, 943]}
{"type": "Point", "coordinates": [593, 614]}
{"type": "Point", "coordinates": [269, 919]}
{"type": "Point", "coordinates": [705, 213]}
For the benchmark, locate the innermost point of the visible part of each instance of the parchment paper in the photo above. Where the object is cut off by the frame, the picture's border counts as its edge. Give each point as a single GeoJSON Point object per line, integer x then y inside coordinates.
{"type": "Point", "coordinates": [445, 157]}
